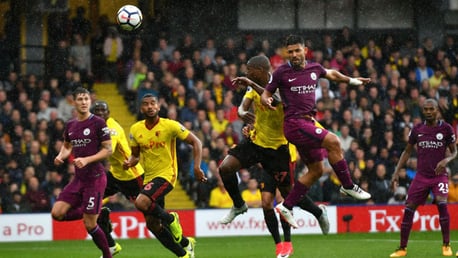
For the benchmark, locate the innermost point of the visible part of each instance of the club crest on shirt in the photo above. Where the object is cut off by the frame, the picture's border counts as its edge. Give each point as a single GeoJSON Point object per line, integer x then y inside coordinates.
{"type": "Point", "coordinates": [158, 133]}
{"type": "Point", "coordinates": [439, 136]}
{"type": "Point", "coordinates": [86, 131]}
{"type": "Point", "coordinates": [318, 131]}
{"type": "Point", "coordinates": [313, 76]}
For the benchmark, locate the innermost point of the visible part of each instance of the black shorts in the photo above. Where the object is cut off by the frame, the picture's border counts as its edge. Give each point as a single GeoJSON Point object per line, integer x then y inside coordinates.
{"type": "Point", "coordinates": [130, 188]}
{"type": "Point", "coordinates": [275, 163]}
{"type": "Point", "coordinates": [157, 189]}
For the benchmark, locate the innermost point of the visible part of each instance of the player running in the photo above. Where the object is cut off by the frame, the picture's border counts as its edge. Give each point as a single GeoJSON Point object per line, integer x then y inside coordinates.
{"type": "Point", "coordinates": [153, 143]}
{"type": "Point", "coordinates": [87, 139]}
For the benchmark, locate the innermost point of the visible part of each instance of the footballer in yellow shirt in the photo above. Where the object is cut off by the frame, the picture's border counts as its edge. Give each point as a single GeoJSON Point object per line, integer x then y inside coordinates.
{"type": "Point", "coordinates": [153, 144]}
{"type": "Point", "coordinates": [127, 181]}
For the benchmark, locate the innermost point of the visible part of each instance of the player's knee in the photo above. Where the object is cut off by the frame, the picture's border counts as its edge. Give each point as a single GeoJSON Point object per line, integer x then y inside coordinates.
{"type": "Point", "coordinates": [143, 203]}
{"type": "Point", "coordinates": [57, 215]}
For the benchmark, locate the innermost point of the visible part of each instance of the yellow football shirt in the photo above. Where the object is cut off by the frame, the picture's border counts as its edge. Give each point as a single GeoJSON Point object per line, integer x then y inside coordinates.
{"type": "Point", "coordinates": [248, 196]}
{"type": "Point", "coordinates": [268, 127]}
{"type": "Point", "coordinates": [158, 148]}
{"type": "Point", "coordinates": [219, 199]}
{"type": "Point", "coordinates": [121, 152]}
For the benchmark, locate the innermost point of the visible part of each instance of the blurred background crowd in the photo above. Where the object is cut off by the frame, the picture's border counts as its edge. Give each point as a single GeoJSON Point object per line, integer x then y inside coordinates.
{"type": "Point", "coordinates": [192, 78]}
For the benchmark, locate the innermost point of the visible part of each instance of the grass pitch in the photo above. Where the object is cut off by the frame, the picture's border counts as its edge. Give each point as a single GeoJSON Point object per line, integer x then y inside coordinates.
{"type": "Point", "coordinates": [353, 245]}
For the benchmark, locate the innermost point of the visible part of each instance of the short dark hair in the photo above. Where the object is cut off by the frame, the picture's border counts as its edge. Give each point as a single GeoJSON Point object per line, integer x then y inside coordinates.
{"type": "Point", "coordinates": [260, 61]}
{"type": "Point", "coordinates": [294, 39]}
{"type": "Point", "coordinates": [80, 90]}
{"type": "Point", "coordinates": [149, 95]}
{"type": "Point", "coordinates": [101, 103]}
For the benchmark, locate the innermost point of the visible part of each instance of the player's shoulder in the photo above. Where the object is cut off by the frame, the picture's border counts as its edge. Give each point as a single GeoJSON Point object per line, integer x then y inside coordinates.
{"type": "Point", "coordinates": [282, 68]}
{"type": "Point", "coordinates": [447, 126]}
{"type": "Point", "coordinates": [168, 122]}
{"type": "Point", "coordinates": [137, 125]}
{"type": "Point", "coordinates": [95, 120]}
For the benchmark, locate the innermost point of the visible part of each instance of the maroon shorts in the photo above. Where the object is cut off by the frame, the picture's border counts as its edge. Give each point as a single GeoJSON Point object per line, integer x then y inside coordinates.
{"type": "Point", "coordinates": [422, 186]}
{"type": "Point", "coordinates": [85, 194]}
{"type": "Point", "coordinates": [307, 136]}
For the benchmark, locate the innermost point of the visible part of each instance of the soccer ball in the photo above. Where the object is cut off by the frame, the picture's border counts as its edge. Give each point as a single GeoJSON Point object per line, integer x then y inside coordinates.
{"type": "Point", "coordinates": [129, 17]}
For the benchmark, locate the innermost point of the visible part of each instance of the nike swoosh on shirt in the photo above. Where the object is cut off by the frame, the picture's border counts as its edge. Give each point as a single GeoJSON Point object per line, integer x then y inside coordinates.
{"type": "Point", "coordinates": [290, 80]}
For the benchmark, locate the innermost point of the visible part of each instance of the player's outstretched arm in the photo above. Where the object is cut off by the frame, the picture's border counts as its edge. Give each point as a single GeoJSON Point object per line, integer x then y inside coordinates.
{"type": "Point", "coordinates": [335, 75]}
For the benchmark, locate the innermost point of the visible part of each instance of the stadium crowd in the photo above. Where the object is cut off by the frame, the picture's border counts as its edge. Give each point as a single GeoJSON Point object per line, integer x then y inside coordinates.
{"type": "Point", "coordinates": [193, 82]}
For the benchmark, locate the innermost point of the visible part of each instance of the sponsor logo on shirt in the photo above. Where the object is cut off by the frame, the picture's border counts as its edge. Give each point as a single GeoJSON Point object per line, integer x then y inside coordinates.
{"type": "Point", "coordinates": [304, 89]}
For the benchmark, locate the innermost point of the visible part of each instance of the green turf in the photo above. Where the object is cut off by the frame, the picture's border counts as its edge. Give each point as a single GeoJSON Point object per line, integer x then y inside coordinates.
{"type": "Point", "coordinates": [421, 244]}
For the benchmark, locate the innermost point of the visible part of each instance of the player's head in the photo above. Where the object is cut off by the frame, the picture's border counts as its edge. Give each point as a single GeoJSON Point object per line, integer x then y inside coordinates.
{"type": "Point", "coordinates": [430, 109]}
{"type": "Point", "coordinates": [258, 70]}
{"type": "Point", "coordinates": [296, 50]}
{"type": "Point", "coordinates": [100, 109]}
{"type": "Point", "coordinates": [149, 106]}
{"type": "Point", "coordinates": [82, 98]}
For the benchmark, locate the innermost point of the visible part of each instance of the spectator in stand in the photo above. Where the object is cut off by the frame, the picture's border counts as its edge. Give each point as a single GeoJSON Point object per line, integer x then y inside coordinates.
{"type": "Point", "coordinates": [165, 49]}
{"type": "Point", "coordinates": [189, 112]}
{"type": "Point", "coordinates": [65, 107]}
{"type": "Point", "coordinates": [230, 137]}
{"type": "Point", "coordinates": [81, 59]}
{"type": "Point", "coordinates": [112, 50]}
{"type": "Point", "coordinates": [58, 61]}
{"type": "Point", "coordinates": [175, 64]}
{"type": "Point", "coordinates": [187, 47]}
{"type": "Point", "coordinates": [345, 138]}
{"type": "Point", "coordinates": [80, 24]}
{"type": "Point", "coordinates": [380, 186]}
{"type": "Point", "coordinates": [38, 199]}
{"type": "Point", "coordinates": [219, 197]}
{"type": "Point", "coordinates": [18, 204]}
{"type": "Point", "coordinates": [229, 50]}
{"type": "Point", "coordinates": [328, 47]}
{"type": "Point", "coordinates": [399, 196]}
{"type": "Point", "coordinates": [338, 62]}
{"type": "Point", "coordinates": [450, 49]}
{"type": "Point", "coordinates": [209, 50]}
{"type": "Point", "coordinates": [423, 71]}
{"type": "Point", "coordinates": [252, 195]}
{"type": "Point", "coordinates": [220, 123]}
{"type": "Point", "coordinates": [368, 51]}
